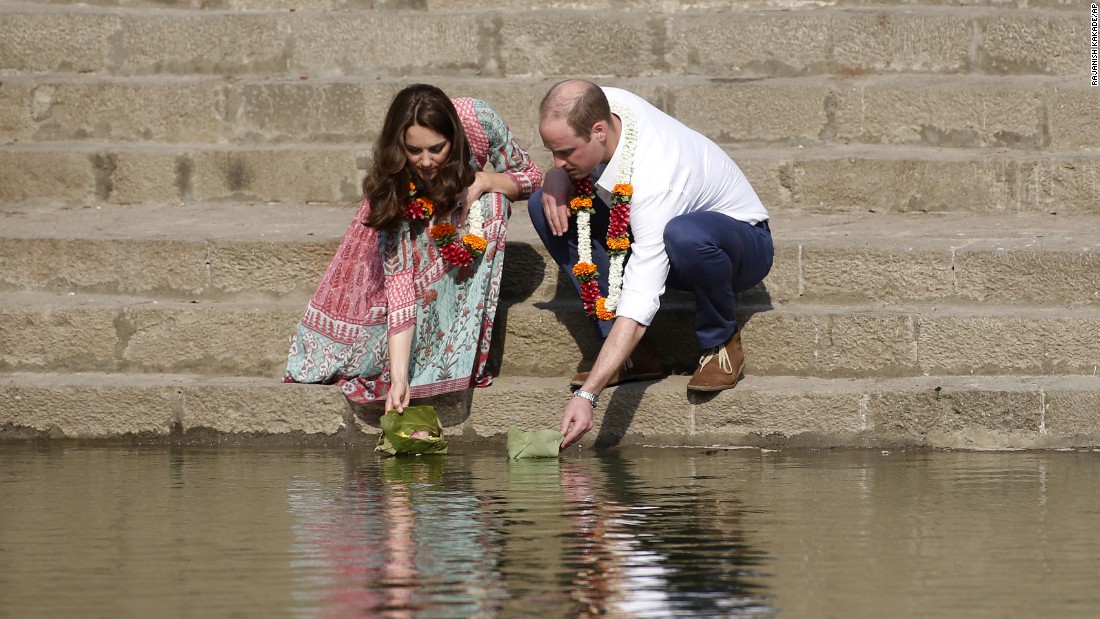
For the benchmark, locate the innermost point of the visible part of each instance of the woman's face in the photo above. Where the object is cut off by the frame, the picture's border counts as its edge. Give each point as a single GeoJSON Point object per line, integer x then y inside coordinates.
{"type": "Point", "coordinates": [425, 150]}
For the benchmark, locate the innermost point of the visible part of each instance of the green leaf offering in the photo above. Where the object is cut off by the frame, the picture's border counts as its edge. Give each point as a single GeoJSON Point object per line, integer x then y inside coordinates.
{"type": "Point", "coordinates": [534, 444]}
{"type": "Point", "coordinates": [416, 431]}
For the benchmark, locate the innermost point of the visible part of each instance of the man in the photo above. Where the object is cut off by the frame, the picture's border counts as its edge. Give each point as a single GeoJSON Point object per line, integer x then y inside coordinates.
{"type": "Point", "coordinates": [696, 224]}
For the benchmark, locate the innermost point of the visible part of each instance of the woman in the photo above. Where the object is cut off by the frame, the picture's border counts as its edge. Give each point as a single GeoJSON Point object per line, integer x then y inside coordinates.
{"type": "Point", "coordinates": [406, 307]}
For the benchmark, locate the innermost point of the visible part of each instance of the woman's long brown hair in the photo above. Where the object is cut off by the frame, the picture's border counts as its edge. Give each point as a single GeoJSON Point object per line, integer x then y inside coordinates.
{"type": "Point", "coordinates": [387, 181]}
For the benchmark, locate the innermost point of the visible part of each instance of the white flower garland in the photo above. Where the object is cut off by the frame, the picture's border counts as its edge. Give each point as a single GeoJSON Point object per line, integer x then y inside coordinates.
{"type": "Point", "coordinates": [626, 169]}
{"type": "Point", "coordinates": [475, 220]}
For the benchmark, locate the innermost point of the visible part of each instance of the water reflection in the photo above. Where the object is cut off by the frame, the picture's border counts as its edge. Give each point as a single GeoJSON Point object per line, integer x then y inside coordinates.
{"type": "Point", "coordinates": [400, 537]}
{"type": "Point", "coordinates": [158, 532]}
{"type": "Point", "coordinates": [445, 536]}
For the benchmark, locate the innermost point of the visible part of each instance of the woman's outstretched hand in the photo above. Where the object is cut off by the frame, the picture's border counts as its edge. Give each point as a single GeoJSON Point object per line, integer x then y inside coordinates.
{"type": "Point", "coordinates": [398, 397]}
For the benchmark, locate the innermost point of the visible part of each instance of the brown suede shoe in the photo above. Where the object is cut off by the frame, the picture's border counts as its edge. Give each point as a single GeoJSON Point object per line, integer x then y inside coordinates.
{"type": "Point", "coordinates": [642, 364]}
{"type": "Point", "coordinates": [720, 368]}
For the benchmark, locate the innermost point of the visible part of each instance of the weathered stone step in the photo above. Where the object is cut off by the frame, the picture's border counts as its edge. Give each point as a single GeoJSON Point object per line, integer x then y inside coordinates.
{"type": "Point", "coordinates": [970, 111]}
{"type": "Point", "coordinates": [89, 332]}
{"type": "Point", "coordinates": [830, 341]}
{"type": "Point", "coordinates": [832, 178]}
{"type": "Point", "coordinates": [258, 252]}
{"type": "Point", "coordinates": [655, 6]}
{"type": "Point", "coordinates": [474, 41]}
{"type": "Point", "coordinates": [988, 412]}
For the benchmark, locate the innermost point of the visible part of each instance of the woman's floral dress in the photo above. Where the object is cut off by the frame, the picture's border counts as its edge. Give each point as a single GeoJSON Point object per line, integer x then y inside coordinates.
{"type": "Point", "coordinates": [381, 283]}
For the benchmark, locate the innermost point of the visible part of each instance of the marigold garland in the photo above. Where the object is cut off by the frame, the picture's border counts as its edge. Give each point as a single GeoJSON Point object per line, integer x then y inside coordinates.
{"type": "Point", "coordinates": [459, 252]}
{"type": "Point", "coordinates": [618, 229]}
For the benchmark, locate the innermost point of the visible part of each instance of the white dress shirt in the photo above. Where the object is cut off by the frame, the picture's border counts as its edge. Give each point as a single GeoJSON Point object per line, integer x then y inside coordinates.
{"type": "Point", "coordinates": [677, 170]}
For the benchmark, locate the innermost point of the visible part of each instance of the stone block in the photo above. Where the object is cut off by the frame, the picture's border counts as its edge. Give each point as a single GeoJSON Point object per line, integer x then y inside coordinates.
{"type": "Point", "coordinates": [190, 43]}
{"type": "Point", "coordinates": [969, 113]}
{"type": "Point", "coordinates": [1023, 342]}
{"type": "Point", "coordinates": [871, 274]}
{"type": "Point", "coordinates": [784, 282]}
{"type": "Point", "coordinates": [749, 45]}
{"type": "Point", "coordinates": [955, 415]}
{"type": "Point", "coordinates": [89, 408]}
{"type": "Point", "coordinates": [312, 111]}
{"type": "Point", "coordinates": [387, 44]}
{"type": "Point", "coordinates": [141, 177]}
{"type": "Point", "coordinates": [848, 43]}
{"type": "Point", "coordinates": [1014, 273]}
{"type": "Point", "coordinates": [542, 44]}
{"type": "Point", "coordinates": [744, 112]}
{"type": "Point", "coordinates": [294, 176]}
{"type": "Point", "coordinates": [246, 407]}
{"type": "Point", "coordinates": [1021, 43]}
{"type": "Point", "coordinates": [1072, 109]}
{"type": "Point", "coordinates": [234, 339]}
{"type": "Point", "coordinates": [41, 176]}
{"type": "Point", "coordinates": [747, 415]}
{"type": "Point", "coordinates": [830, 342]}
{"type": "Point", "coordinates": [57, 42]}
{"type": "Point", "coordinates": [128, 111]}
{"type": "Point", "coordinates": [535, 405]}
{"type": "Point", "coordinates": [1070, 414]}
{"type": "Point", "coordinates": [769, 176]}
{"type": "Point", "coordinates": [910, 185]}
{"type": "Point", "coordinates": [98, 266]}
{"type": "Point", "coordinates": [632, 414]}
{"type": "Point", "coordinates": [61, 338]}
{"type": "Point", "coordinates": [899, 42]}
{"type": "Point", "coordinates": [282, 269]}
{"type": "Point", "coordinates": [1062, 185]}
{"type": "Point", "coordinates": [17, 113]}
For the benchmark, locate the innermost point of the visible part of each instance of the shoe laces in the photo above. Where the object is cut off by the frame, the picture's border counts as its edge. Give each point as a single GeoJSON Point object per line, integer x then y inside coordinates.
{"type": "Point", "coordinates": [723, 359]}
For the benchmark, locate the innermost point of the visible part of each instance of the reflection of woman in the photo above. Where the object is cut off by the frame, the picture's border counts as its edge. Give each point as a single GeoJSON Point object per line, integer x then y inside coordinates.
{"type": "Point", "coordinates": [400, 537]}
{"type": "Point", "coordinates": [406, 307]}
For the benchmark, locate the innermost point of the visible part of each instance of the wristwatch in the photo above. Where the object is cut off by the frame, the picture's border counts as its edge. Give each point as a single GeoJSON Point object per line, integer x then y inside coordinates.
{"type": "Point", "coordinates": [591, 397]}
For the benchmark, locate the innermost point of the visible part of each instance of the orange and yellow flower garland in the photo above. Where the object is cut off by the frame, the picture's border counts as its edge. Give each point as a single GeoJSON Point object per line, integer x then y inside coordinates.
{"type": "Point", "coordinates": [444, 235]}
{"type": "Point", "coordinates": [618, 243]}
{"type": "Point", "coordinates": [618, 229]}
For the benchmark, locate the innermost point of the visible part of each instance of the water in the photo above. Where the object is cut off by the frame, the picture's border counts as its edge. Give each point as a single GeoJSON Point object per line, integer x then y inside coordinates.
{"type": "Point", "coordinates": [641, 532]}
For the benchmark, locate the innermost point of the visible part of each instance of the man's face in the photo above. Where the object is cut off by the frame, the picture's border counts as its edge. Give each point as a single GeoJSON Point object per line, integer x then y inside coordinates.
{"type": "Point", "coordinates": [577, 155]}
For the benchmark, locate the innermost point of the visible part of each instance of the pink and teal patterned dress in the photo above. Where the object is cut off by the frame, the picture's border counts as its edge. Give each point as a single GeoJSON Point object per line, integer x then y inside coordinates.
{"type": "Point", "coordinates": [381, 283]}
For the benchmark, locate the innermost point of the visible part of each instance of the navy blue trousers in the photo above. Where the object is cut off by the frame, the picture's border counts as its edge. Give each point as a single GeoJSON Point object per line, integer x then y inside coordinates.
{"type": "Point", "coordinates": [710, 255]}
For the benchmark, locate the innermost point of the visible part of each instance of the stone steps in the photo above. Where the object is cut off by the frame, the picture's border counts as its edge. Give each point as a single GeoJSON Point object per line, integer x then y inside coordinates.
{"type": "Point", "coordinates": [650, 6]}
{"type": "Point", "coordinates": [735, 43]}
{"type": "Point", "coordinates": [175, 178]}
{"type": "Point", "coordinates": [971, 111]}
{"type": "Point", "coordinates": [264, 252]}
{"type": "Point", "coordinates": [939, 411]}
{"type": "Point", "coordinates": [832, 178]}
{"type": "Point", "coordinates": [81, 333]}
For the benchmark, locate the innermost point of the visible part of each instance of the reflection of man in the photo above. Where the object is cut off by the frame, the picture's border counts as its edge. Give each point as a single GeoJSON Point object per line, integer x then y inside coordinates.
{"type": "Point", "coordinates": [695, 222]}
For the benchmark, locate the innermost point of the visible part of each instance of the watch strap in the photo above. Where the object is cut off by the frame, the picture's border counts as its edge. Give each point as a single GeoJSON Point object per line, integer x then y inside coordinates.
{"type": "Point", "coordinates": [591, 397]}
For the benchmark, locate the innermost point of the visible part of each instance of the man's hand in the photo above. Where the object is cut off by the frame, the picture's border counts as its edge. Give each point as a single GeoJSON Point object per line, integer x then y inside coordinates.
{"type": "Point", "coordinates": [556, 187]}
{"type": "Point", "coordinates": [578, 414]}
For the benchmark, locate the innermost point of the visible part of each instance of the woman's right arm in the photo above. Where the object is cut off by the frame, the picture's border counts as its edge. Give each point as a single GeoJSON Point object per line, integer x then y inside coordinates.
{"type": "Point", "coordinates": [397, 267]}
{"type": "Point", "coordinates": [400, 348]}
